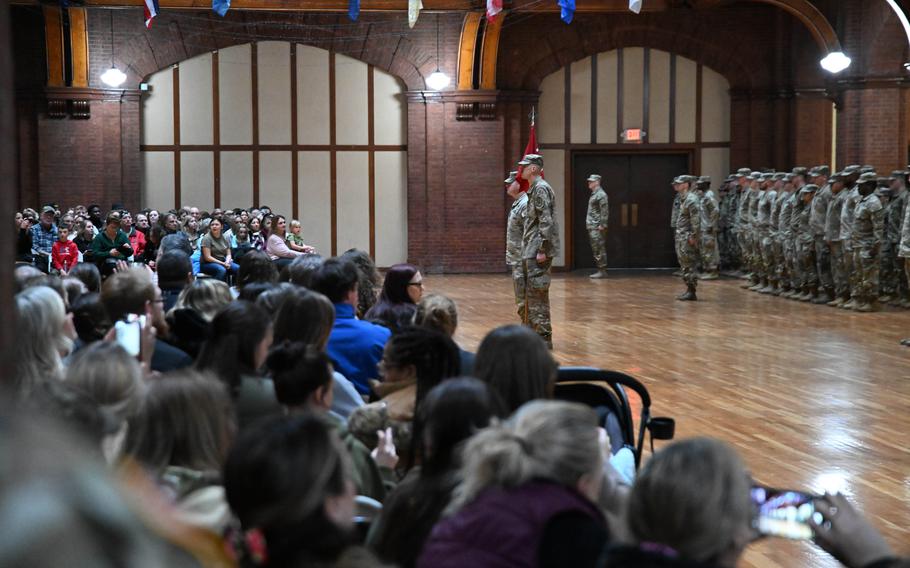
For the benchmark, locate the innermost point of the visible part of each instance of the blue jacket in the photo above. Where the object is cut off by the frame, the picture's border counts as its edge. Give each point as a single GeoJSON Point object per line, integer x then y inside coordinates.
{"type": "Point", "coordinates": [355, 347]}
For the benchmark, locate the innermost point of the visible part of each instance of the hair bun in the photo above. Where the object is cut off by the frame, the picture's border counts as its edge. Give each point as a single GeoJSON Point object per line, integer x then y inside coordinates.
{"type": "Point", "coordinates": [285, 355]}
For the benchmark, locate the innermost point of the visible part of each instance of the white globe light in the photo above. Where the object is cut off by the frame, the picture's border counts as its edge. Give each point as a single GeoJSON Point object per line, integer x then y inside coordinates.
{"type": "Point", "coordinates": [835, 62]}
{"type": "Point", "coordinates": [113, 77]}
{"type": "Point", "coordinates": [438, 81]}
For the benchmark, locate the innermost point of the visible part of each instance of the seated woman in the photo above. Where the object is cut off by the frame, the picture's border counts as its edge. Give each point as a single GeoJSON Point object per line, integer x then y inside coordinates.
{"type": "Point", "coordinates": [451, 413]}
{"type": "Point", "coordinates": [528, 494]}
{"type": "Point", "coordinates": [216, 253]}
{"type": "Point", "coordinates": [241, 242]}
{"type": "Point", "coordinates": [369, 280]}
{"type": "Point", "coordinates": [706, 486]}
{"type": "Point", "coordinates": [295, 240]}
{"type": "Point", "coordinates": [303, 383]}
{"type": "Point", "coordinates": [307, 317]}
{"type": "Point", "coordinates": [235, 351]}
{"type": "Point", "coordinates": [181, 435]}
{"type": "Point", "coordinates": [305, 512]}
{"type": "Point", "coordinates": [43, 337]}
{"type": "Point", "coordinates": [397, 305]}
{"type": "Point", "coordinates": [438, 312]}
{"type": "Point", "coordinates": [191, 317]}
{"type": "Point", "coordinates": [276, 247]}
{"type": "Point", "coordinates": [257, 236]}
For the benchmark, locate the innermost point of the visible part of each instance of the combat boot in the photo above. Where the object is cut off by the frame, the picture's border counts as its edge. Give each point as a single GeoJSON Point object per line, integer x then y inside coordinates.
{"type": "Point", "coordinates": [824, 296]}
{"type": "Point", "coordinates": [709, 276]}
{"type": "Point", "coordinates": [837, 302]}
{"type": "Point", "coordinates": [768, 289]}
{"type": "Point", "coordinates": [863, 305]}
{"type": "Point", "coordinates": [759, 285]}
{"type": "Point", "coordinates": [850, 304]}
{"type": "Point", "coordinates": [810, 293]}
{"type": "Point", "coordinates": [885, 298]}
{"type": "Point", "coordinates": [777, 291]}
{"type": "Point", "coordinates": [598, 275]}
{"type": "Point", "coordinates": [905, 303]}
{"type": "Point", "coordinates": [688, 295]}
{"type": "Point", "coordinates": [905, 342]}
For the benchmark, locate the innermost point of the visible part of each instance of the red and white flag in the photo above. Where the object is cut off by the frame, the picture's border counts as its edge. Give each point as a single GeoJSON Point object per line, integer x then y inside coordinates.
{"type": "Point", "coordinates": [531, 148]}
{"type": "Point", "coordinates": [494, 7]}
{"type": "Point", "coordinates": [151, 10]}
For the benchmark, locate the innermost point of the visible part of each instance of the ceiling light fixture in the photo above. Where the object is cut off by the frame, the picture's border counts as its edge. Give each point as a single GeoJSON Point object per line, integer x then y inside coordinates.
{"type": "Point", "coordinates": [835, 62]}
{"type": "Point", "coordinates": [113, 77]}
{"type": "Point", "coordinates": [437, 79]}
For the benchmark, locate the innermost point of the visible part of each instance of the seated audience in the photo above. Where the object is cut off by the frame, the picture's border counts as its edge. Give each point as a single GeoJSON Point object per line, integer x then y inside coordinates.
{"type": "Point", "coordinates": [528, 493]}
{"type": "Point", "coordinates": [241, 242]}
{"type": "Point", "coordinates": [295, 240]}
{"type": "Point", "coordinates": [110, 245]}
{"type": "Point", "coordinates": [277, 247]}
{"type": "Point", "coordinates": [74, 289]}
{"type": "Point", "coordinates": [190, 319]}
{"type": "Point", "coordinates": [44, 235]}
{"type": "Point", "coordinates": [42, 338]}
{"type": "Point", "coordinates": [181, 434]}
{"type": "Point", "coordinates": [369, 283]}
{"type": "Point", "coordinates": [136, 236]}
{"type": "Point", "coordinates": [273, 299]}
{"type": "Point", "coordinates": [65, 253]}
{"type": "Point", "coordinates": [303, 383]}
{"type": "Point", "coordinates": [235, 352]}
{"type": "Point", "coordinates": [307, 317]}
{"type": "Point", "coordinates": [150, 254]}
{"type": "Point", "coordinates": [397, 305]}
{"type": "Point", "coordinates": [175, 273]}
{"type": "Point", "coordinates": [300, 271]}
{"type": "Point", "coordinates": [517, 365]}
{"type": "Point", "coordinates": [216, 253]}
{"type": "Point", "coordinates": [438, 312]}
{"type": "Point", "coordinates": [355, 346]}
{"type": "Point", "coordinates": [257, 236]}
{"type": "Point", "coordinates": [305, 513]}
{"type": "Point", "coordinates": [452, 412]}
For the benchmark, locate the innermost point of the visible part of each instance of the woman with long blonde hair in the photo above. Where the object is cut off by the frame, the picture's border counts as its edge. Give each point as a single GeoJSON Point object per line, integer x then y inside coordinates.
{"type": "Point", "coordinates": [42, 340]}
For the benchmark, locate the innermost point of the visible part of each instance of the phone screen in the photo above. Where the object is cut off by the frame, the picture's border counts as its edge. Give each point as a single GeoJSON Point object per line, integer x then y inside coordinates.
{"type": "Point", "coordinates": [129, 334]}
{"type": "Point", "coordinates": [784, 513]}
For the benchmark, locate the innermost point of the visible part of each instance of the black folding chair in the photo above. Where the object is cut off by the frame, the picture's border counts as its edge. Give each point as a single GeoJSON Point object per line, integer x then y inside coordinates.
{"type": "Point", "coordinates": [600, 388]}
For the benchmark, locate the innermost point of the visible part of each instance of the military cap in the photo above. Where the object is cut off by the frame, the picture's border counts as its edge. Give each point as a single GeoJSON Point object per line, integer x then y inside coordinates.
{"type": "Point", "coordinates": [730, 177]}
{"type": "Point", "coordinates": [867, 177]}
{"type": "Point", "coordinates": [884, 182]}
{"type": "Point", "coordinates": [685, 178]}
{"type": "Point", "coordinates": [755, 176]}
{"type": "Point", "coordinates": [535, 159]}
{"type": "Point", "coordinates": [779, 176]}
{"type": "Point", "coordinates": [898, 174]}
{"type": "Point", "coordinates": [852, 169]}
{"type": "Point", "coordinates": [789, 177]}
{"type": "Point", "coordinates": [883, 191]}
{"type": "Point", "coordinates": [704, 179]}
{"type": "Point", "coordinates": [811, 188]}
{"type": "Point", "coordinates": [800, 171]}
{"type": "Point", "coordinates": [745, 172]}
{"type": "Point", "coordinates": [837, 176]}
{"type": "Point", "coordinates": [512, 177]}
{"type": "Point", "coordinates": [866, 169]}
{"type": "Point", "coordinates": [594, 177]}
{"type": "Point", "coordinates": [821, 171]}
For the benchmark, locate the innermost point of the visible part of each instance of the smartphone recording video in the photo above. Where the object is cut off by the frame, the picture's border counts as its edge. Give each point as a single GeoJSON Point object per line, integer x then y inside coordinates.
{"type": "Point", "coordinates": [784, 513]}
{"type": "Point", "coordinates": [129, 334]}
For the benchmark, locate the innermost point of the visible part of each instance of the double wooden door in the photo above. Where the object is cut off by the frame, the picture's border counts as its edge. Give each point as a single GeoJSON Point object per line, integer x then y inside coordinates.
{"type": "Point", "coordinates": [641, 200]}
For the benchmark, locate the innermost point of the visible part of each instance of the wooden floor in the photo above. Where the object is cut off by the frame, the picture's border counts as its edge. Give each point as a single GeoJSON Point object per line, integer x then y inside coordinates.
{"type": "Point", "coordinates": [813, 398]}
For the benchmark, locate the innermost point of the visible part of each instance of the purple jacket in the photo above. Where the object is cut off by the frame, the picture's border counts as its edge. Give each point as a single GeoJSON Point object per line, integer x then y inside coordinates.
{"type": "Point", "coordinates": [502, 528]}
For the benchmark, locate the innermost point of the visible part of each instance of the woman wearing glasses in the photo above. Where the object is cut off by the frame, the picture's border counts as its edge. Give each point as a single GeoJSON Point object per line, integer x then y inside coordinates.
{"type": "Point", "coordinates": [401, 292]}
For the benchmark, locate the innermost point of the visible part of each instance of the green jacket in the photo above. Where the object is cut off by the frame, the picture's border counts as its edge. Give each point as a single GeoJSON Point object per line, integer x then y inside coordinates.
{"type": "Point", "coordinates": [102, 245]}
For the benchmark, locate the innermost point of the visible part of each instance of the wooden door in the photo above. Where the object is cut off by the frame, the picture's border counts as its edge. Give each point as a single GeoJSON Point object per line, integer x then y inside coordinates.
{"type": "Point", "coordinates": [641, 199]}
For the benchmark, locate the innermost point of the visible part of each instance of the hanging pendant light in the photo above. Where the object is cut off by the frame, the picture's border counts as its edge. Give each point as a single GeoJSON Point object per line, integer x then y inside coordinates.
{"type": "Point", "coordinates": [113, 77]}
{"type": "Point", "coordinates": [438, 80]}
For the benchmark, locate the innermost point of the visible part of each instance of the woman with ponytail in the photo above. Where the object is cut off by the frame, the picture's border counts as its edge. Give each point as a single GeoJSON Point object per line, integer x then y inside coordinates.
{"type": "Point", "coordinates": [527, 495]}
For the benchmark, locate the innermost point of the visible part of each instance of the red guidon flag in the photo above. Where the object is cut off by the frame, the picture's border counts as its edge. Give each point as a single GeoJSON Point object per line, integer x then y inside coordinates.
{"type": "Point", "coordinates": [531, 148]}
{"type": "Point", "coordinates": [494, 7]}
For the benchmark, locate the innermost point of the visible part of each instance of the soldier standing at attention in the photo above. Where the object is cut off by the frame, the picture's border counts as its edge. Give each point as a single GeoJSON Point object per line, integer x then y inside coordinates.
{"type": "Point", "coordinates": [539, 246]}
{"type": "Point", "coordinates": [688, 235]}
{"type": "Point", "coordinates": [835, 244]}
{"type": "Point", "coordinates": [596, 222]}
{"type": "Point", "coordinates": [806, 245]}
{"type": "Point", "coordinates": [783, 250]}
{"type": "Point", "coordinates": [893, 284]}
{"type": "Point", "coordinates": [710, 219]}
{"type": "Point", "coordinates": [515, 230]}
{"type": "Point", "coordinates": [868, 229]}
{"type": "Point", "coordinates": [819, 177]}
{"type": "Point", "coordinates": [851, 198]}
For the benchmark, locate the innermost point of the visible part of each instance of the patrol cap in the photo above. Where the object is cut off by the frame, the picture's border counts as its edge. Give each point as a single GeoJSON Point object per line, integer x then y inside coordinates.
{"type": "Point", "coordinates": [898, 174]}
{"type": "Point", "coordinates": [789, 177]}
{"type": "Point", "coordinates": [704, 179]}
{"type": "Point", "coordinates": [800, 171]}
{"type": "Point", "coordinates": [685, 179]}
{"type": "Point", "coordinates": [512, 177]}
{"type": "Point", "coordinates": [811, 188]}
{"type": "Point", "coordinates": [852, 169]}
{"type": "Point", "coordinates": [745, 172]}
{"type": "Point", "coordinates": [821, 171]}
{"type": "Point", "coordinates": [594, 177]}
{"type": "Point", "coordinates": [866, 169]}
{"type": "Point", "coordinates": [529, 159]}
{"type": "Point", "coordinates": [883, 191]}
{"type": "Point", "coordinates": [867, 177]}
{"type": "Point", "coordinates": [779, 176]}
{"type": "Point", "coordinates": [884, 182]}
{"type": "Point", "coordinates": [755, 176]}
{"type": "Point", "coordinates": [837, 176]}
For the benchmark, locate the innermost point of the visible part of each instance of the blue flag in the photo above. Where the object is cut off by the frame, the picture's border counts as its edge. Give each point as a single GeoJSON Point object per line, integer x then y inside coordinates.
{"type": "Point", "coordinates": [353, 9]}
{"type": "Point", "coordinates": [221, 7]}
{"type": "Point", "coordinates": [567, 10]}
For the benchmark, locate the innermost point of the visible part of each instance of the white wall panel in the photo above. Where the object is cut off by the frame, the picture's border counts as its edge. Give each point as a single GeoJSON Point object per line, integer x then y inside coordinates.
{"type": "Point", "coordinates": [274, 75]}
{"type": "Point", "coordinates": [312, 95]}
{"type": "Point", "coordinates": [715, 114]}
{"type": "Point", "coordinates": [158, 109]}
{"type": "Point", "coordinates": [275, 182]}
{"type": "Point", "coordinates": [196, 100]}
{"type": "Point", "coordinates": [552, 116]}
{"type": "Point", "coordinates": [607, 99]}
{"type": "Point", "coordinates": [555, 165]}
{"type": "Point", "coordinates": [235, 95]}
{"type": "Point", "coordinates": [633, 87]}
{"type": "Point", "coordinates": [197, 180]}
{"type": "Point", "coordinates": [158, 179]}
{"type": "Point", "coordinates": [353, 199]}
{"type": "Point", "coordinates": [351, 100]}
{"type": "Point", "coordinates": [391, 208]}
{"type": "Point", "coordinates": [659, 100]}
{"type": "Point", "coordinates": [715, 162]}
{"type": "Point", "coordinates": [315, 198]}
{"type": "Point", "coordinates": [390, 117]}
{"type": "Point", "coordinates": [580, 94]}
{"type": "Point", "coordinates": [686, 85]}
{"type": "Point", "coordinates": [236, 179]}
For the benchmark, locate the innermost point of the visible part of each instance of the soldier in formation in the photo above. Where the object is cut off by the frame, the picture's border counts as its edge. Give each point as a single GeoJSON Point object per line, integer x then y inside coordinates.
{"type": "Point", "coordinates": [597, 222]}
{"type": "Point", "coordinates": [515, 232]}
{"type": "Point", "coordinates": [710, 223]}
{"type": "Point", "coordinates": [687, 222]}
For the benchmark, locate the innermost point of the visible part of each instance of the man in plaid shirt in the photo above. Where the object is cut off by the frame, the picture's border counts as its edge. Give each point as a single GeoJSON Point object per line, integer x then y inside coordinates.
{"type": "Point", "coordinates": [44, 234]}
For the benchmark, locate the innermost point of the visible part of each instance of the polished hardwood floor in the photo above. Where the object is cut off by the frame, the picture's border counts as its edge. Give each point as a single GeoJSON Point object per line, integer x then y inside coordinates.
{"type": "Point", "coordinates": [813, 398]}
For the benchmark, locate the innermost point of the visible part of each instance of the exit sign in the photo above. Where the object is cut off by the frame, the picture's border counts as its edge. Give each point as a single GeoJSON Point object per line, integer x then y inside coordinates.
{"type": "Point", "coordinates": [633, 135]}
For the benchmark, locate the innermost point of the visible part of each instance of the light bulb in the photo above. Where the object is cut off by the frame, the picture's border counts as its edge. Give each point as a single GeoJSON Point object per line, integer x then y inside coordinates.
{"type": "Point", "coordinates": [835, 62]}
{"type": "Point", "coordinates": [113, 77]}
{"type": "Point", "coordinates": [438, 80]}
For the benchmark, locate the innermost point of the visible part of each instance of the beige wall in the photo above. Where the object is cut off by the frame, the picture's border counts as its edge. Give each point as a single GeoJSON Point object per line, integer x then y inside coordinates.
{"type": "Point", "coordinates": [274, 153]}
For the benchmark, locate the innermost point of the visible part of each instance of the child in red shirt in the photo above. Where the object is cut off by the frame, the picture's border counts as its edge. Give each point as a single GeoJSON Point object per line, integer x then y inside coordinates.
{"type": "Point", "coordinates": [64, 253]}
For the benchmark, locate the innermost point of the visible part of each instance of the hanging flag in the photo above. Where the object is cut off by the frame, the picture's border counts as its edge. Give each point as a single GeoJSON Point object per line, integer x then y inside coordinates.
{"type": "Point", "coordinates": [414, 8]}
{"type": "Point", "coordinates": [566, 10]}
{"type": "Point", "coordinates": [494, 7]}
{"type": "Point", "coordinates": [531, 148]}
{"type": "Point", "coordinates": [353, 9]}
{"type": "Point", "coordinates": [151, 10]}
{"type": "Point", "coordinates": [635, 6]}
{"type": "Point", "coordinates": [221, 7]}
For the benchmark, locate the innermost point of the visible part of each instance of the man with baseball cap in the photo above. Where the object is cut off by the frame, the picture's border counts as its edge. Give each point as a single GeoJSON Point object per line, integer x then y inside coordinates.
{"type": "Point", "coordinates": [596, 223]}
{"type": "Point", "coordinates": [515, 230]}
{"type": "Point", "coordinates": [44, 235]}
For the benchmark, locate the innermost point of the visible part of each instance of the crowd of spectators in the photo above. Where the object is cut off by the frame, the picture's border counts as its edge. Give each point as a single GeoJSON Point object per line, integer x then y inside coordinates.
{"type": "Point", "coordinates": [275, 408]}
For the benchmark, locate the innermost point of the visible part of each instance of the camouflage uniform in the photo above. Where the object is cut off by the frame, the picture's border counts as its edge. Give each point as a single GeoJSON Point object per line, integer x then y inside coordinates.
{"type": "Point", "coordinates": [514, 234]}
{"type": "Point", "coordinates": [777, 248]}
{"type": "Point", "coordinates": [796, 272]}
{"type": "Point", "coordinates": [688, 226]}
{"type": "Point", "coordinates": [765, 203]}
{"type": "Point", "coordinates": [833, 236]}
{"type": "Point", "coordinates": [892, 283]}
{"type": "Point", "coordinates": [596, 223]}
{"type": "Point", "coordinates": [784, 240]}
{"type": "Point", "coordinates": [710, 217]}
{"type": "Point", "coordinates": [806, 246]}
{"type": "Point", "coordinates": [903, 250]}
{"type": "Point", "coordinates": [755, 234]}
{"type": "Point", "coordinates": [541, 235]}
{"type": "Point", "coordinates": [851, 198]}
{"type": "Point", "coordinates": [868, 232]}
{"type": "Point", "coordinates": [744, 228]}
{"type": "Point", "coordinates": [817, 216]}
